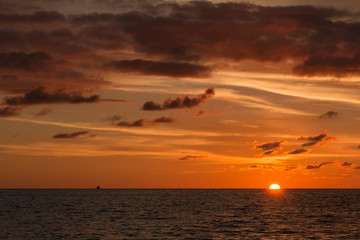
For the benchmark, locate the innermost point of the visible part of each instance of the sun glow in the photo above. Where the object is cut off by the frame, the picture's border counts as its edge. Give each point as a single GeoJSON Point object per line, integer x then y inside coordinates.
{"type": "Point", "coordinates": [274, 187]}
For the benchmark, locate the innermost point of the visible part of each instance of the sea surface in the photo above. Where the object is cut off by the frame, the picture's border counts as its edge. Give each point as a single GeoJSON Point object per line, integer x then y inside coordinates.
{"type": "Point", "coordinates": [180, 214]}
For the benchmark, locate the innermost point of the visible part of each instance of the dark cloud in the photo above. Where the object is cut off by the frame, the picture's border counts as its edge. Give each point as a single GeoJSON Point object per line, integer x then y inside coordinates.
{"type": "Point", "coordinates": [269, 152]}
{"type": "Point", "coordinates": [59, 42]}
{"type": "Point", "coordinates": [58, 62]}
{"type": "Point", "coordinates": [182, 39]}
{"type": "Point", "coordinates": [143, 122]}
{"type": "Point", "coordinates": [320, 139]}
{"type": "Point", "coordinates": [191, 157]}
{"type": "Point", "coordinates": [41, 96]}
{"type": "Point", "coordinates": [180, 102]}
{"type": "Point", "coordinates": [9, 111]}
{"type": "Point", "coordinates": [71, 135]}
{"type": "Point", "coordinates": [356, 167]}
{"type": "Point", "coordinates": [163, 119]}
{"type": "Point", "coordinates": [43, 112]}
{"type": "Point", "coordinates": [116, 117]}
{"type": "Point", "coordinates": [317, 166]}
{"type": "Point", "coordinates": [318, 39]}
{"type": "Point", "coordinates": [8, 78]}
{"type": "Point", "coordinates": [299, 151]}
{"type": "Point", "coordinates": [69, 73]}
{"type": "Point", "coordinates": [346, 164]}
{"type": "Point", "coordinates": [200, 113]}
{"type": "Point", "coordinates": [42, 17]}
{"type": "Point", "coordinates": [329, 114]}
{"type": "Point", "coordinates": [147, 67]}
{"type": "Point", "coordinates": [329, 65]}
{"type": "Point", "coordinates": [137, 123]}
{"type": "Point", "coordinates": [34, 61]}
{"type": "Point", "coordinates": [269, 147]}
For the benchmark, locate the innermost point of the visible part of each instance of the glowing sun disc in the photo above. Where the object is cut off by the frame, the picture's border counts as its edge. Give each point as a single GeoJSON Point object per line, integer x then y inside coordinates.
{"type": "Point", "coordinates": [274, 186]}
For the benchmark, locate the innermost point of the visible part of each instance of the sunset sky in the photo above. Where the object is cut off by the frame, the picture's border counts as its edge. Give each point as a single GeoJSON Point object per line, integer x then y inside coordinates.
{"type": "Point", "coordinates": [179, 94]}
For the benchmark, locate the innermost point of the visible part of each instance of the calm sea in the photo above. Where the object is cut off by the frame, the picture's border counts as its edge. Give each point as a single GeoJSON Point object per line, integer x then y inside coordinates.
{"type": "Point", "coordinates": [180, 214]}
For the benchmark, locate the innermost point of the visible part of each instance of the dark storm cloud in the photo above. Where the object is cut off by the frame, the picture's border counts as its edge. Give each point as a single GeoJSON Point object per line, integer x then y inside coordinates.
{"type": "Point", "coordinates": [8, 78]}
{"type": "Point", "coordinates": [52, 67]}
{"type": "Point", "coordinates": [320, 139]}
{"type": "Point", "coordinates": [320, 40]}
{"type": "Point", "coordinates": [329, 65]}
{"type": "Point", "coordinates": [163, 119]}
{"type": "Point", "coordinates": [317, 166]}
{"type": "Point", "coordinates": [71, 135]}
{"type": "Point", "coordinates": [42, 17]}
{"type": "Point", "coordinates": [59, 41]}
{"type": "Point", "coordinates": [356, 167]}
{"type": "Point", "coordinates": [346, 164]}
{"type": "Point", "coordinates": [329, 114]}
{"type": "Point", "coordinates": [9, 111]}
{"type": "Point", "coordinates": [30, 62]}
{"type": "Point", "coordinates": [170, 39]}
{"type": "Point", "coordinates": [137, 123]}
{"type": "Point", "coordinates": [191, 157]}
{"type": "Point", "coordinates": [180, 102]}
{"type": "Point", "coordinates": [147, 67]}
{"type": "Point", "coordinates": [41, 96]}
{"type": "Point", "coordinates": [298, 151]}
{"type": "Point", "coordinates": [43, 112]}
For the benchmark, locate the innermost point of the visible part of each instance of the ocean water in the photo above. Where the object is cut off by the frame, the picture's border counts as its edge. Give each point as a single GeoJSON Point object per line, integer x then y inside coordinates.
{"type": "Point", "coordinates": [180, 214]}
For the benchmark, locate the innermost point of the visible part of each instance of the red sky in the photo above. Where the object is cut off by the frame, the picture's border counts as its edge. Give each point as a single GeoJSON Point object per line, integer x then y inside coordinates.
{"type": "Point", "coordinates": [165, 94]}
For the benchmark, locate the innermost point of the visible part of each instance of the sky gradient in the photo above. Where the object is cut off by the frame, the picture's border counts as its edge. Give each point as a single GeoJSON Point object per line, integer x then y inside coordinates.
{"type": "Point", "coordinates": [186, 94]}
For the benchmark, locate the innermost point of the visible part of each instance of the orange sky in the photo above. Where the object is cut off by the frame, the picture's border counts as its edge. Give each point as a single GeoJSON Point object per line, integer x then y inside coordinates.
{"type": "Point", "coordinates": [157, 94]}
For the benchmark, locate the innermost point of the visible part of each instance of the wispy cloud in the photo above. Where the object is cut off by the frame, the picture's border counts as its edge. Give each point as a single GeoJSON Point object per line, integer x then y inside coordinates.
{"type": "Point", "coordinates": [71, 135]}
{"type": "Point", "coordinates": [309, 167]}
{"type": "Point", "coordinates": [43, 112]}
{"type": "Point", "coordinates": [191, 157]}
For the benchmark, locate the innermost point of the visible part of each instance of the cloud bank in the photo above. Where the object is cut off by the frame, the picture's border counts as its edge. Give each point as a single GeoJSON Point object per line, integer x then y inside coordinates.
{"type": "Point", "coordinates": [41, 96]}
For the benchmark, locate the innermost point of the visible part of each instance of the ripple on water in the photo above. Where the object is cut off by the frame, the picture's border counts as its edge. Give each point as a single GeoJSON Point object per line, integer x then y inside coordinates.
{"type": "Point", "coordinates": [179, 214]}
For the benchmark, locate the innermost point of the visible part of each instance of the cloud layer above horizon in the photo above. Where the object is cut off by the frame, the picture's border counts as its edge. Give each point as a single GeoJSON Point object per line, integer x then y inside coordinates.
{"type": "Point", "coordinates": [192, 91]}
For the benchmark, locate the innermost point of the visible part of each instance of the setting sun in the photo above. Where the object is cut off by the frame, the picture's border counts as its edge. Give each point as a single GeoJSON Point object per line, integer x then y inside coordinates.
{"type": "Point", "coordinates": [274, 186]}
